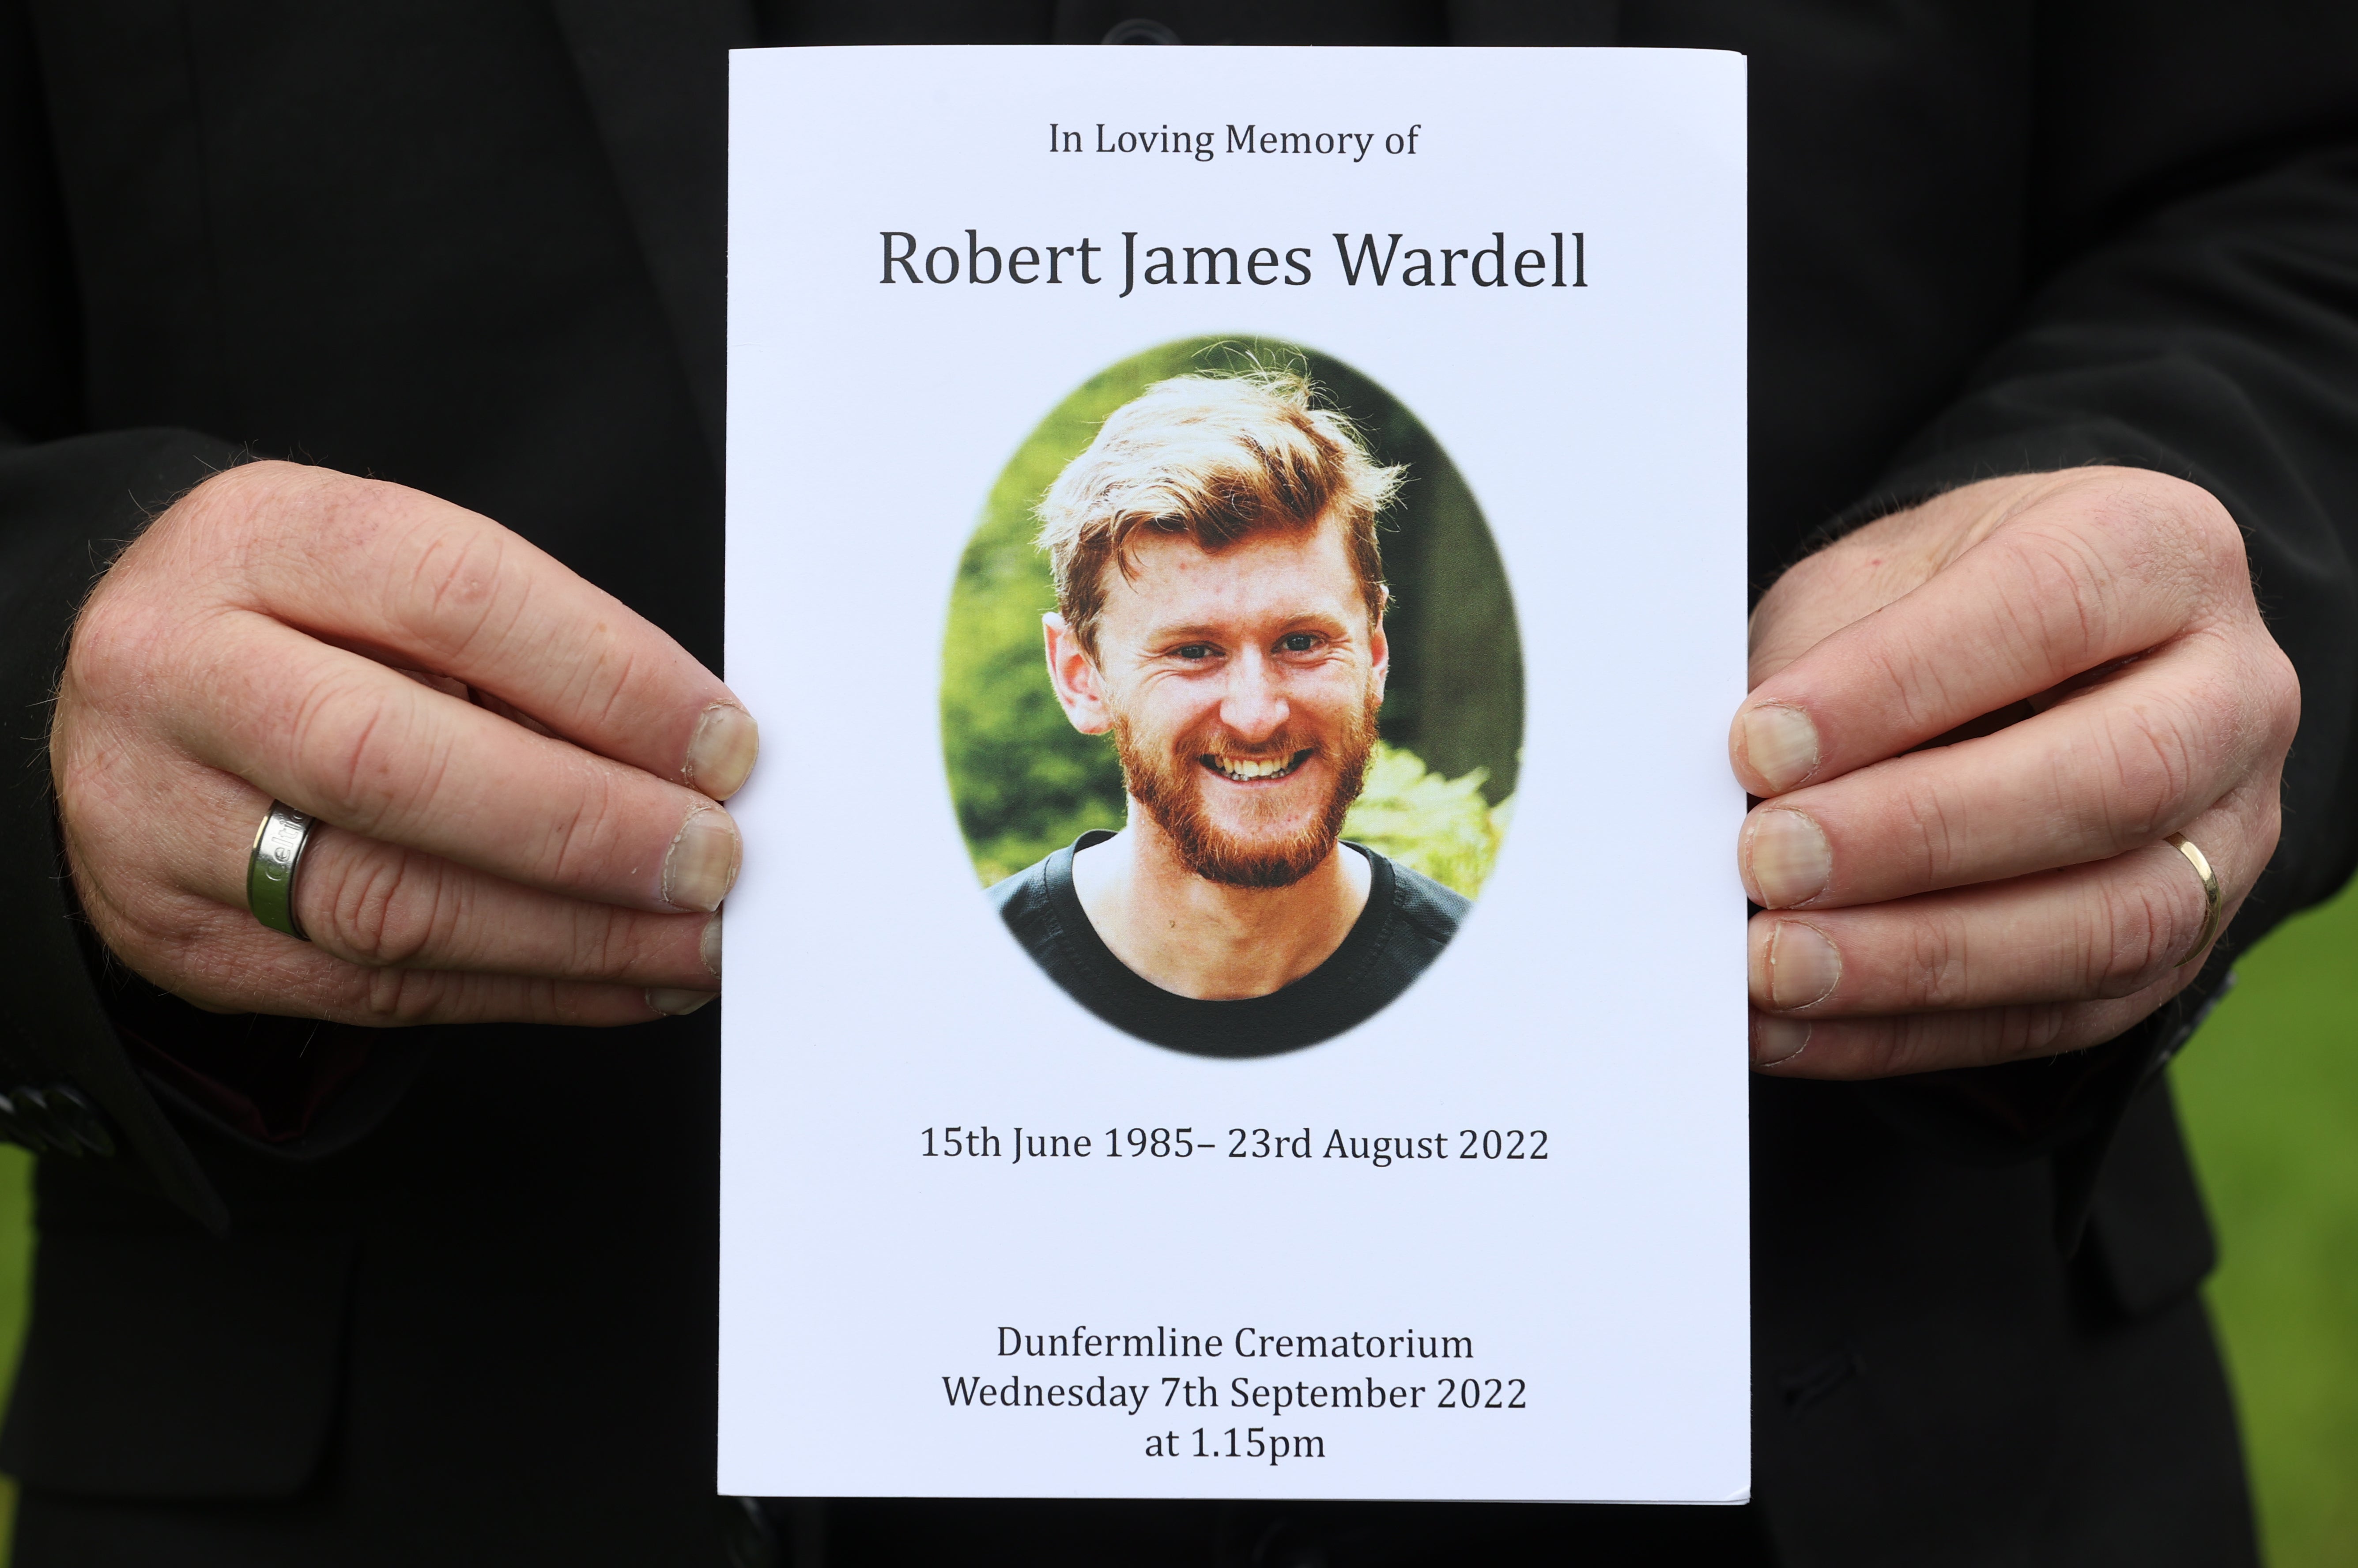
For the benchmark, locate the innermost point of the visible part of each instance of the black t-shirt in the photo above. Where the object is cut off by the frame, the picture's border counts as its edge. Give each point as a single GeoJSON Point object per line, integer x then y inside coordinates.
{"type": "Point", "coordinates": [1409, 919]}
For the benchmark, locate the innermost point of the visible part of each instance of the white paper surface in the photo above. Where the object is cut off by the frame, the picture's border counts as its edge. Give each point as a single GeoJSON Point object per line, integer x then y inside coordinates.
{"type": "Point", "coordinates": [1597, 991]}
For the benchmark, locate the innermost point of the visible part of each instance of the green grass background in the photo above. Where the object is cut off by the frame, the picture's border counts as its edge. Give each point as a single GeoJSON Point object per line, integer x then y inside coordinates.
{"type": "Point", "coordinates": [2269, 1092]}
{"type": "Point", "coordinates": [2270, 1097]}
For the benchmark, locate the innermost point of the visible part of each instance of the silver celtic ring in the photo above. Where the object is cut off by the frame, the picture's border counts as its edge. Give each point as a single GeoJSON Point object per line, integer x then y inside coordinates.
{"type": "Point", "coordinates": [270, 869]}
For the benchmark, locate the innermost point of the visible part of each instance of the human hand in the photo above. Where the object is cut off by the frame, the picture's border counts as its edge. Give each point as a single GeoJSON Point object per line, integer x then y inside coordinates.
{"type": "Point", "coordinates": [2008, 894]}
{"type": "Point", "coordinates": [520, 771]}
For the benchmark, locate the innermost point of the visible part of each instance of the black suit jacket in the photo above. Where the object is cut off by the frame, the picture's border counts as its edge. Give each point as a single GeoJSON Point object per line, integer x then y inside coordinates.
{"type": "Point", "coordinates": [477, 246]}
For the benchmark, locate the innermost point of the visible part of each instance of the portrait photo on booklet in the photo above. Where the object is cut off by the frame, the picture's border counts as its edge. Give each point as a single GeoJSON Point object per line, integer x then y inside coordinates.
{"type": "Point", "coordinates": [1236, 983]}
{"type": "Point", "coordinates": [1277, 607]}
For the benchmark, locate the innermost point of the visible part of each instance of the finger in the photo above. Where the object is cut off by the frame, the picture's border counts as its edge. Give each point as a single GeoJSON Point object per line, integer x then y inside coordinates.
{"type": "Point", "coordinates": [1892, 1046]}
{"type": "Point", "coordinates": [379, 905]}
{"type": "Point", "coordinates": [2094, 572]}
{"type": "Point", "coordinates": [178, 913]}
{"type": "Point", "coordinates": [1880, 563]}
{"type": "Point", "coordinates": [384, 907]}
{"type": "Point", "coordinates": [228, 962]}
{"type": "Point", "coordinates": [2119, 765]}
{"type": "Point", "coordinates": [359, 746]}
{"type": "Point", "coordinates": [397, 572]}
{"type": "Point", "coordinates": [2092, 933]}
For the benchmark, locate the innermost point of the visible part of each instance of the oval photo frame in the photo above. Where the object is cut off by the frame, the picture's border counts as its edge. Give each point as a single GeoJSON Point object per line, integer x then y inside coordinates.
{"type": "Point", "coordinates": [1440, 788]}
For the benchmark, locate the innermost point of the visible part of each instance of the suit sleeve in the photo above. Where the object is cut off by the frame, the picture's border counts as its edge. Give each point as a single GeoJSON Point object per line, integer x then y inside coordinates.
{"type": "Point", "coordinates": [2198, 318]}
{"type": "Point", "coordinates": [71, 1087]}
{"type": "Point", "coordinates": [94, 1064]}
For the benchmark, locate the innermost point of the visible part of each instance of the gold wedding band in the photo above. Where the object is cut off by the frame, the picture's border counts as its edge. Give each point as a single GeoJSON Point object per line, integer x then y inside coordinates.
{"type": "Point", "coordinates": [271, 867]}
{"type": "Point", "coordinates": [2211, 899]}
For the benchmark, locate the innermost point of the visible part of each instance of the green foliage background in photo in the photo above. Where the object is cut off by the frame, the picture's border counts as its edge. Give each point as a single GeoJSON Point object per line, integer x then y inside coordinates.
{"type": "Point", "coordinates": [1439, 794]}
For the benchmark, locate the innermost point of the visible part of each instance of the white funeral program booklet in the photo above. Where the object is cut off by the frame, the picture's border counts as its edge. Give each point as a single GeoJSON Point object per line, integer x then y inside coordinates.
{"type": "Point", "coordinates": [1237, 987]}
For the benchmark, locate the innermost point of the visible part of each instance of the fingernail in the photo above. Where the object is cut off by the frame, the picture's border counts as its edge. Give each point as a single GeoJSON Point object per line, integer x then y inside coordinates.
{"type": "Point", "coordinates": [707, 947]}
{"type": "Point", "coordinates": [722, 751]}
{"type": "Point", "coordinates": [1802, 965]}
{"type": "Point", "coordinates": [1787, 855]}
{"type": "Point", "coordinates": [702, 861]}
{"type": "Point", "coordinates": [1781, 744]}
{"type": "Point", "coordinates": [679, 1005]}
{"type": "Point", "coordinates": [1776, 1040]}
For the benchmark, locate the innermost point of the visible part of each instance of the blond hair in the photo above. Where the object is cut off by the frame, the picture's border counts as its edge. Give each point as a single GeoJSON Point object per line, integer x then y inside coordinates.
{"type": "Point", "coordinates": [1216, 458]}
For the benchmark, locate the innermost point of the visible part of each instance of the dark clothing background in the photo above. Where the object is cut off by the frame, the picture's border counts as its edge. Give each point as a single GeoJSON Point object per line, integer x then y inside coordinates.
{"type": "Point", "coordinates": [1408, 920]}
{"type": "Point", "coordinates": [461, 1308]}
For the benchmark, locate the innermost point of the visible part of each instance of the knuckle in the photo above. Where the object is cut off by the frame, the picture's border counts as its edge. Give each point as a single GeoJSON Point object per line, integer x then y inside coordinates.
{"type": "Point", "coordinates": [397, 999]}
{"type": "Point", "coordinates": [2208, 539]}
{"type": "Point", "coordinates": [2177, 535]}
{"type": "Point", "coordinates": [307, 521]}
{"type": "Point", "coordinates": [452, 582]}
{"type": "Point", "coordinates": [606, 679]}
{"type": "Point", "coordinates": [2267, 829]}
{"type": "Point", "coordinates": [606, 941]}
{"type": "Point", "coordinates": [2014, 1033]}
{"type": "Point", "coordinates": [233, 493]}
{"type": "Point", "coordinates": [388, 908]}
{"type": "Point", "coordinates": [2058, 597]}
{"type": "Point", "coordinates": [150, 931]}
{"type": "Point", "coordinates": [349, 508]}
{"type": "Point", "coordinates": [247, 480]}
{"type": "Point", "coordinates": [1906, 1044]}
{"type": "Point", "coordinates": [118, 642]}
{"type": "Point", "coordinates": [333, 735]}
{"type": "Point", "coordinates": [1924, 1042]}
{"type": "Point", "coordinates": [552, 1001]}
{"type": "Point", "coordinates": [2134, 932]}
{"type": "Point", "coordinates": [2119, 534]}
{"type": "Point", "coordinates": [246, 504]}
{"type": "Point", "coordinates": [87, 774]}
{"type": "Point", "coordinates": [2143, 506]}
{"type": "Point", "coordinates": [353, 738]}
{"type": "Point", "coordinates": [2147, 767]}
{"type": "Point", "coordinates": [1887, 1048]}
{"type": "Point", "coordinates": [582, 836]}
{"type": "Point", "coordinates": [1936, 964]}
{"type": "Point", "coordinates": [610, 677]}
{"type": "Point", "coordinates": [1936, 822]}
{"type": "Point", "coordinates": [1812, 600]}
{"type": "Point", "coordinates": [2275, 691]}
{"type": "Point", "coordinates": [1911, 687]}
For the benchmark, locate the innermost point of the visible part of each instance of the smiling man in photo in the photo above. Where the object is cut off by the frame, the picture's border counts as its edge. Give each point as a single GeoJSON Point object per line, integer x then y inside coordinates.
{"type": "Point", "coordinates": [1220, 611]}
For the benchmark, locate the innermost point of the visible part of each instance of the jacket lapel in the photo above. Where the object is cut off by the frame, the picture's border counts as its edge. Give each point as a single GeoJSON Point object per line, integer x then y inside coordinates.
{"type": "Point", "coordinates": [656, 73]}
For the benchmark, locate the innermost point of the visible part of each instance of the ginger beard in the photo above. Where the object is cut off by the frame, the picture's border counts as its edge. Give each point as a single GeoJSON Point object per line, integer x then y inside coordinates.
{"type": "Point", "coordinates": [1275, 844]}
